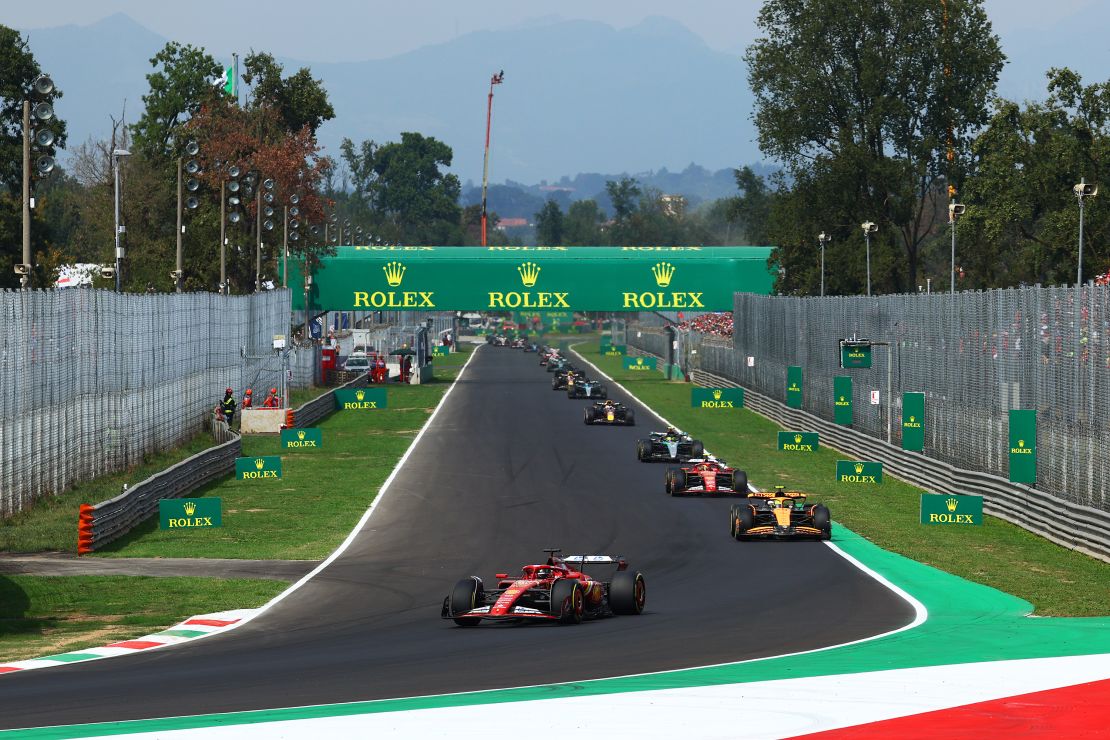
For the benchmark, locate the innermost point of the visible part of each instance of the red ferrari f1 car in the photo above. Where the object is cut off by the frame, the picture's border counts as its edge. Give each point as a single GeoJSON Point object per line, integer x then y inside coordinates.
{"type": "Point", "coordinates": [556, 591]}
{"type": "Point", "coordinates": [709, 476]}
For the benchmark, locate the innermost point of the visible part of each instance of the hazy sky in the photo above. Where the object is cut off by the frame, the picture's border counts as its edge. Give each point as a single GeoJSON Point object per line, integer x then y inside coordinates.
{"type": "Point", "coordinates": [349, 30]}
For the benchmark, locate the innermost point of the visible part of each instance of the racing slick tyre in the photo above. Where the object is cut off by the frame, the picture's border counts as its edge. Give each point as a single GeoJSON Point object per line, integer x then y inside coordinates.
{"type": "Point", "coordinates": [603, 393]}
{"type": "Point", "coordinates": [566, 601]}
{"type": "Point", "coordinates": [676, 481]}
{"type": "Point", "coordinates": [741, 520]}
{"type": "Point", "coordinates": [740, 482]}
{"type": "Point", "coordinates": [627, 592]}
{"type": "Point", "coordinates": [643, 450]}
{"type": "Point", "coordinates": [629, 418]}
{"type": "Point", "coordinates": [697, 449]}
{"type": "Point", "coordinates": [822, 521]}
{"type": "Point", "coordinates": [465, 596]}
{"type": "Point", "coordinates": [587, 417]}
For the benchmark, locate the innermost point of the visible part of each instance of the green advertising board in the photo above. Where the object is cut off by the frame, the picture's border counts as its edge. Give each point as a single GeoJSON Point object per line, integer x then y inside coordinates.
{"type": "Point", "coordinates": [614, 350]}
{"type": "Point", "coordinates": [717, 398]}
{"type": "Point", "coordinates": [859, 472]}
{"type": "Point", "coordinates": [955, 510]}
{"type": "Point", "coordinates": [190, 513]}
{"type": "Point", "coordinates": [842, 399]}
{"type": "Point", "coordinates": [794, 386]}
{"type": "Point", "coordinates": [798, 441]}
{"type": "Point", "coordinates": [532, 280]}
{"type": "Point", "coordinates": [440, 350]}
{"type": "Point", "coordinates": [639, 363]}
{"type": "Point", "coordinates": [855, 355]}
{"type": "Point", "coordinates": [913, 421]}
{"type": "Point", "coordinates": [360, 399]}
{"type": "Point", "coordinates": [1023, 446]}
{"type": "Point", "coordinates": [258, 468]}
{"type": "Point", "coordinates": [302, 439]}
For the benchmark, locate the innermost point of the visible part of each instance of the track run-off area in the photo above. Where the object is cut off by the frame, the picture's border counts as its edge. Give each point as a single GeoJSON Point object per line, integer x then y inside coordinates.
{"type": "Point", "coordinates": [503, 469]}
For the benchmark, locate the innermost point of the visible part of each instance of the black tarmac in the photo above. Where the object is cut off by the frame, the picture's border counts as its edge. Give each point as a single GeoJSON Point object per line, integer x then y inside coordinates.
{"type": "Point", "coordinates": [507, 469]}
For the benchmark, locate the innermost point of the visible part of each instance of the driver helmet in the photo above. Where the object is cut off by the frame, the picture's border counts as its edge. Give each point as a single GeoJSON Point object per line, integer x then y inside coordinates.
{"type": "Point", "coordinates": [543, 573]}
{"type": "Point", "coordinates": [671, 431]}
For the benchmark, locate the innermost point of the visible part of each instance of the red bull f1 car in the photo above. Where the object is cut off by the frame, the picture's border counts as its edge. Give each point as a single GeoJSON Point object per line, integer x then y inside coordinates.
{"type": "Point", "coordinates": [710, 476]}
{"type": "Point", "coordinates": [779, 514]}
{"type": "Point", "coordinates": [563, 377]}
{"type": "Point", "coordinates": [609, 412]}
{"type": "Point", "coordinates": [556, 591]}
{"type": "Point", "coordinates": [669, 446]}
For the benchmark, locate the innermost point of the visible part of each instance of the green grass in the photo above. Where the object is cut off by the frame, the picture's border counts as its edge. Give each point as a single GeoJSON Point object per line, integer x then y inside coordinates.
{"type": "Point", "coordinates": [301, 396]}
{"type": "Point", "coordinates": [47, 615]}
{"type": "Point", "coordinates": [51, 523]}
{"type": "Point", "coordinates": [321, 495]}
{"type": "Point", "coordinates": [1057, 581]}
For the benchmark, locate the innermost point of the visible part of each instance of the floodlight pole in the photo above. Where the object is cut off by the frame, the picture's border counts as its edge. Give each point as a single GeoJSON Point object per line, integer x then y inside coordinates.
{"type": "Point", "coordinates": [285, 247]}
{"type": "Point", "coordinates": [177, 277]}
{"type": "Point", "coordinates": [25, 277]}
{"type": "Point", "coordinates": [223, 238]}
{"type": "Point", "coordinates": [258, 247]}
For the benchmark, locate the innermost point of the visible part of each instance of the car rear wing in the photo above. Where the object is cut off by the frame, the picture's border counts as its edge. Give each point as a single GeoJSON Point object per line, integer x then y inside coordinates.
{"type": "Point", "coordinates": [584, 560]}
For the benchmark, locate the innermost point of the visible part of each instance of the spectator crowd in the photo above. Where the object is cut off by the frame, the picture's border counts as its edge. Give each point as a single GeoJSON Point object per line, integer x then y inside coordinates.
{"type": "Point", "coordinates": [715, 324]}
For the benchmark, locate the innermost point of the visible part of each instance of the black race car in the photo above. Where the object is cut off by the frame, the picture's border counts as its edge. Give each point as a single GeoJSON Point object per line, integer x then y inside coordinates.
{"type": "Point", "coordinates": [558, 363]}
{"type": "Point", "coordinates": [779, 514]}
{"type": "Point", "coordinates": [609, 412]}
{"type": "Point", "coordinates": [583, 387]}
{"type": "Point", "coordinates": [670, 446]}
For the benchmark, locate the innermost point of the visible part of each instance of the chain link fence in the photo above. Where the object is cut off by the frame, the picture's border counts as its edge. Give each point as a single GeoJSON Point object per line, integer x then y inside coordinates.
{"type": "Point", "coordinates": [93, 381]}
{"type": "Point", "coordinates": [974, 355]}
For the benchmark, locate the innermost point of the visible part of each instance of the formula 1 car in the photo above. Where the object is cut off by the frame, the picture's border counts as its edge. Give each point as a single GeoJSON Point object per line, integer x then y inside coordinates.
{"type": "Point", "coordinates": [709, 476]}
{"type": "Point", "coordinates": [547, 354]}
{"type": "Point", "coordinates": [609, 412]}
{"type": "Point", "coordinates": [779, 514]}
{"type": "Point", "coordinates": [532, 347]}
{"type": "Point", "coordinates": [671, 446]}
{"type": "Point", "coordinates": [583, 387]}
{"type": "Point", "coordinates": [555, 591]}
{"type": "Point", "coordinates": [558, 363]}
{"type": "Point", "coordinates": [564, 377]}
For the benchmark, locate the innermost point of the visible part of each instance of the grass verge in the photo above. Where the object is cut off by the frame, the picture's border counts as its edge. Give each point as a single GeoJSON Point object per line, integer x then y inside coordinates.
{"type": "Point", "coordinates": [47, 615]}
{"type": "Point", "coordinates": [322, 494]}
{"type": "Point", "coordinates": [1057, 581]}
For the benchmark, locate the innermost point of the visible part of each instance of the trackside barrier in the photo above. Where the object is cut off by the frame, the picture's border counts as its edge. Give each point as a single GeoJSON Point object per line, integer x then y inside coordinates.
{"type": "Point", "coordinates": [99, 524]}
{"type": "Point", "coordinates": [1074, 526]}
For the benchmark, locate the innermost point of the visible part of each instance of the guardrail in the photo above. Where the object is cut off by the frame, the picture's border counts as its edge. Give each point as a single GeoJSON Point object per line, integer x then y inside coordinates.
{"type": "Point", "coordinates": [1074, 526]}
{"type": "Point", "coordinates": [99, 524]}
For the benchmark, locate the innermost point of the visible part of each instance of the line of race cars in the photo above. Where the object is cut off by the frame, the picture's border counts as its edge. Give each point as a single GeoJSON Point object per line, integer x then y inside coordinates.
{"type": "Point", "coordinates": [560, 590]}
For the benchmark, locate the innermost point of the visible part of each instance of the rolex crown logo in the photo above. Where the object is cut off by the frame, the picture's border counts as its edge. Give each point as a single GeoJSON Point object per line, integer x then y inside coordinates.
{"type": "Point", "coordinates": [639, 360]}
{"type": "Point", "coordinates": [259, 463]}
{"type": "Point", "coordinates": [663, 272]}
{"type": "Point", "coordinates": [394, 272]}
{"type": "Point", "coordinates": [360, 395]}
{"type": "Point", "coordinates": [952, 503]}
{"type": "Point", "coordinates": [190, 507]}
{"type": "Point", "coordinates": [912, 420]}
{"type": "Point", "coordinates": [1021, 443]}
{"type": "Point", "coordinates": [859, 468]}
{"type": "Point", "coordinates": [842, 398]}
{"type": "Point", "coordinates": [529, 273]}
{"type": "Point", "coordinates": [797, 439]}
{"type": "Point", "coordinates": [717, 395]}
{"type": "Point", "coordinates": [300, 434]}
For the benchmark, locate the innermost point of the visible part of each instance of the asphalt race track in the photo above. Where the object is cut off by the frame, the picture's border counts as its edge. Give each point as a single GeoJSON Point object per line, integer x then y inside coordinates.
{"type": "Point", "coordinates": [507, 469]}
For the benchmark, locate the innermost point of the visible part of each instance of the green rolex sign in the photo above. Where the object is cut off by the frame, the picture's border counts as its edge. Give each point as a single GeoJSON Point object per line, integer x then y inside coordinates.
{"type": "Point", "coordinates": [639, 363]}
{"type": "Point", "coordinates": [855, 355]}
{"type": "Point", "coordinates": [360, 399]}
{"type": "Point", "coordinates": [794, 386]}
{"type": "Point", "coordinates": [1023, 446]}
{"type": "Point", "coordinates": [913, 421]}
{"type": "Point", "coordinates": [798, 441]}
{"type": "Point", "coordinates": [440, 351]}
{"type": "Point", "coordinates": [842, 399]}
{"type": "Point", "coordinates": [614, 350]}
{"type": "Point", "coordinates": [717, 398]}
{"type": "Point", "coordinates": [858, 472]}
{"type": "Point", "coordinates": [957, 510]}
{"type": "Point", "coordinates": [299, 439]}
{"type": "Point", "coordinates": [258, 468]}
{"type": "Point", "coordinates": [189, 513]}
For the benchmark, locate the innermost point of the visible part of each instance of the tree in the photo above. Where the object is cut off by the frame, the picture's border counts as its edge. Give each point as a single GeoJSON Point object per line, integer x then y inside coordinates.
{"type": "Point", "coordinates": [1022, 219]}
{"type": "Point", "coordinates": [178, 91]}
{"type": "Point", "coordinates": [582, 225]}
{"type": "Point", "coordinates": [549, 224]}
{"type": "Point", "coordinates": [752, 209]}
{"type": "Point", "coordinates": [874, 95]}
{"type": "Point", "coordinates": [299, 100]}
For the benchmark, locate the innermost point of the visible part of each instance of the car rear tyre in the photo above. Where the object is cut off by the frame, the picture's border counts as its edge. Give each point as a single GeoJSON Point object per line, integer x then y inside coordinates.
{"type": "Point", "coordinates": [643, 450]}
{"type": "Point", "coordinates": [464, 597]}
{"type": "Point", "coordinates": [627, 592]}
{"type": "Point", "coordinates": [697, 449]}
{"type": "Point", "coordinates": [566, 601]}
{"type": "Point", "coordinates": [741, 521]}
{"type": "Point", "coordinates": [740, 482]}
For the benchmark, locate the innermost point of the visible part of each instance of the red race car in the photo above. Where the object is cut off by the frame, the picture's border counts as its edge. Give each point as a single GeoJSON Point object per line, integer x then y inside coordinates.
{"type": "Point", "coordinates": [556, 591]}
{"type": "Point", "coordinates": [710, 476]}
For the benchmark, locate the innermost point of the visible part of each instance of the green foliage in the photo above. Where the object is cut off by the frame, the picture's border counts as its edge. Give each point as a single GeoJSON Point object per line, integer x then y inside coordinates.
{"type": "Point", "coordinates": [549, 224]}
{"type": "Point", "coordinates": [582, 225]}
{"type": "Point", "coordinates": [623, 194]}
{"type": "Point", "coordinates": [864, 99]}
{"type": "Point", "coordinates": [1022, 220]}
{"type": "Point", "coordinates": [300, 100]}
{"type": "Point", "coordinates": [178, 90]}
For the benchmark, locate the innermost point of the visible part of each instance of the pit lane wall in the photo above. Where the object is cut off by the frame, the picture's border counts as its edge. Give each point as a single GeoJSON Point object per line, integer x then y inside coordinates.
{"type": "Point", "coordinates": [974, 355]}
{"type": "Point", "coordinates": [101, 523]}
